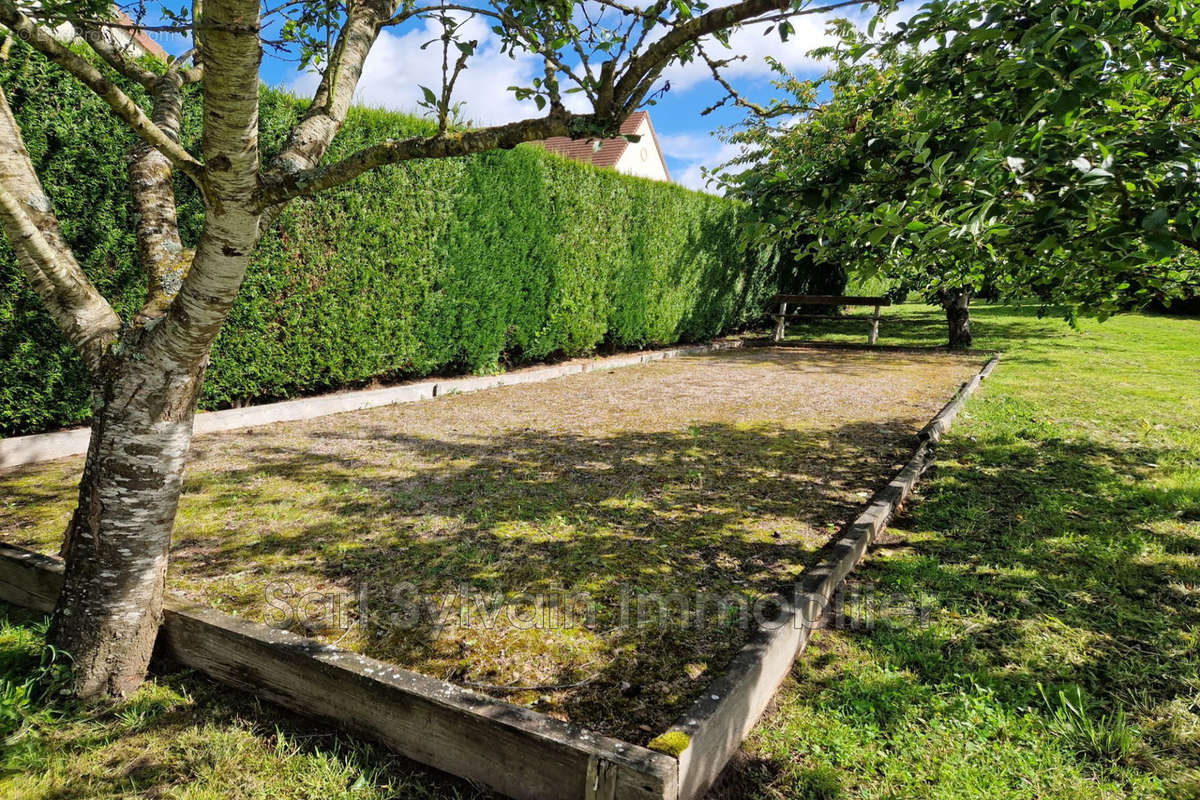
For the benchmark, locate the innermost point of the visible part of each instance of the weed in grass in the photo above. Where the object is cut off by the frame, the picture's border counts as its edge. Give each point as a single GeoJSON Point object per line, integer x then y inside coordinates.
{"type": "Point", "coordinates": [28, 679]}
{"type": "Point", "coordinates": [1105, 738]}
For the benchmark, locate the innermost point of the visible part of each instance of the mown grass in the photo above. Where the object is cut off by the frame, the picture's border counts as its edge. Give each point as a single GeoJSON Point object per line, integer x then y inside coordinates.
{"type": "Point", "coordinates": [178, 737]}
{"type": "Point", "coordinates": [1031, 626]}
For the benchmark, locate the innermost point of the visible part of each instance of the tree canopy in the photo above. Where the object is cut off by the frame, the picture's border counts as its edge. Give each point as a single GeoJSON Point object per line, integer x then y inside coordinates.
{"type": "Point", "coordinates": [1022, 146]}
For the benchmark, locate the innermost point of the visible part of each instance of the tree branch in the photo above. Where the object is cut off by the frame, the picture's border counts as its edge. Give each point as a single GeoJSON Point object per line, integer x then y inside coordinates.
{"type": "Point", "coordinates": [79, 310]}
{"type": "Point", "coordinates": [117, 100]}
{"type": "Point", "coordinates": [311, 136]}
{"type": "Point", "coordinates": [444, 145]}
{"type": "Point", "coordinates": [1189, 50]}
{"type": "Point", "coordinates": [231, 53]}
{"type": "Point", "coordinates": [613, 101]}
{"type": "Point", "coordinates": [650, 63]}
{"type": "Point", "coordinates": [160, 247]}
{"type": "Point", "coordinates": [114, 57]}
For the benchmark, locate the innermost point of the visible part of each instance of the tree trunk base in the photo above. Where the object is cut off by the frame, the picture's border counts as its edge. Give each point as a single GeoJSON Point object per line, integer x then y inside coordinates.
{"type": "Point", "coordinates": [957, 305]}
{"type": "Point", "coordinates": [117, 543]}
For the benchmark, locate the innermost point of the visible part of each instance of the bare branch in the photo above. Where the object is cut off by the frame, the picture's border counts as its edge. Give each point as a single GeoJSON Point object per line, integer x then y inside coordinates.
{"type": "Point", "coordinates": [231, 225]}
{"type": "Point", "coordinates": [649, 64]}
{"type": "Point", "coordinates": [310, 138]}
{"type": "Point", "coordinates": [715, 66]}
{"type": "Point", "coordinates": [79, 310]}
{"type": "Point", "coordinates": [99, 41]}
{"type": "Point", "coordinates": [160, 247]}
{"type": "Point", "coordinates": [117, 100]}
{"type": "Point", "coordinates": [444, 145]}
{"type": "Point", "coordinates": [82, 314]}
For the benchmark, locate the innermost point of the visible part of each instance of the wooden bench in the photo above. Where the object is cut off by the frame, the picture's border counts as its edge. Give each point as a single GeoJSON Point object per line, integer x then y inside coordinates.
{"type": "Point", "coordinates": [784, 300]}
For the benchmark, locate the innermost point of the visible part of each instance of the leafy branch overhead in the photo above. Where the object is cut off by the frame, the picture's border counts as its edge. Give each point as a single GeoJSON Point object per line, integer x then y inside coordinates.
{"type": "Point", "coordinates": [1027, 144]}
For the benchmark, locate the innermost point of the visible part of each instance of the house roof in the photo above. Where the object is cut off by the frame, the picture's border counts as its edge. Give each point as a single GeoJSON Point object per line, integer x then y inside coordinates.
{"type": "Point", "coordinates": [144, 41]}
{"type": "Point", "coordinates": [610, 150]}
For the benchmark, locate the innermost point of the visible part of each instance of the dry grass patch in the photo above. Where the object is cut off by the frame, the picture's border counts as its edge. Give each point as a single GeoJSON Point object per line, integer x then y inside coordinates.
{"type": "Point", "coordinates": [502, 539]}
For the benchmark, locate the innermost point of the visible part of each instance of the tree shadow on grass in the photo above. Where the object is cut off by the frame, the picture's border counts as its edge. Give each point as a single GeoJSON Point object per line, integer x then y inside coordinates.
{"type": "Point", "coordinates": [1042, 563]}
{"type": "Point", "coordinates": [632, 531]}
{"type": "Point", "coordinates": [668, 536]}
{"type": "Point", "coordinates": [925, 326]}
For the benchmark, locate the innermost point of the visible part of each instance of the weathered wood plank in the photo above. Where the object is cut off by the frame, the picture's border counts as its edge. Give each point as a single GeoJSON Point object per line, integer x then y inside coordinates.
{"type": "Point", "coordinates": [17, 451]}
{"type": "Point", "coordinates": [715, 725]}
{"type": "Point", "coordinates": [513, 750]}
{"type": "Point", "coordinates": [29, 579]}
{"type": "Point", "coordinates": [936, 427]}
{"type": "Point", "coordinates": [713, 728]}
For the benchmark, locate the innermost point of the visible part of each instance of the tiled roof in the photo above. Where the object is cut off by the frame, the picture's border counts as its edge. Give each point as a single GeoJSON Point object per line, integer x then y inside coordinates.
{"type": "Point", "coordinates": [610, 150]}
{"type": "Point", "coordinates": [149, 45]}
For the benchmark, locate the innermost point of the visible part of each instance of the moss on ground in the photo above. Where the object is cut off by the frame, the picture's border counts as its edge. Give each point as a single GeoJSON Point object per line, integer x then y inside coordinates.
{"type": "Point", "coordinates": [672, 743]}
{"type": "Point", "coordinates": [1056, 543]}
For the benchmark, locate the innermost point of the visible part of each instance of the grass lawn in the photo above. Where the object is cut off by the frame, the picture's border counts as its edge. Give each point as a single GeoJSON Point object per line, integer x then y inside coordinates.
{"type": "Point", "coordinates": [1031, 627]}
{"type": "Point", "coordinates": [1053, 557]}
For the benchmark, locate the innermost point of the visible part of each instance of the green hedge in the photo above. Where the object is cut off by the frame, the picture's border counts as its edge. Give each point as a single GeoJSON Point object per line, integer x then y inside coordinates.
{"type": "Point", "coordinates": [454, 265]}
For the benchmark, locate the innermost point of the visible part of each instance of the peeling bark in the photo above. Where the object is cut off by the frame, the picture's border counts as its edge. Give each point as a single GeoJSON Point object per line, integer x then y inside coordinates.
{"type": "Point", "coordinates": [117, 542]}
{"type": "Point", "coordinates": [81, 312]}
{"type": "Point", "coordinates": [160, 248]}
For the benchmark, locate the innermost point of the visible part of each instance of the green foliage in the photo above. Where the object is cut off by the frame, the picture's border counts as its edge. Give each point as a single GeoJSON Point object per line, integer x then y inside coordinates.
{"type": "Point", "coordinates": [29, 676]}
{"type": "Point", "coordinates": [1041, 147]}
{"type": "Point", "coordinates": [461, 264]}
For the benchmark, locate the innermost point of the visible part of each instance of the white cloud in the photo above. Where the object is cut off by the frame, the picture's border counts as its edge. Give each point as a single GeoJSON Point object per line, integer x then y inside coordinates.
{"type": "Point", "coordinates": [687, 146]}
{"type": "Point", "coordinates": [397, 67]}
{"type": "Point", "coordinates": [811, 33]}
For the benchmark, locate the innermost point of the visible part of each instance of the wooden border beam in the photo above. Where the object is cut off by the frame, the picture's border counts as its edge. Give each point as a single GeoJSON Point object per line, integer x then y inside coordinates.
{"type": "Point", "coordinates": [516, 751]}
{"type": "Point", "coordinates": [18, 451]}
{"type": "Point", "coordinates": [708, 734]}
{"type": "Point", "coordinates": [511, 749]}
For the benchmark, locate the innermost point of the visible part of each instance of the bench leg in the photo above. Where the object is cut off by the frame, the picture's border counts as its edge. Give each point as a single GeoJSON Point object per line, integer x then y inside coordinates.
{"type": "Point", "coordinates": [874, 334]}
{"type": "Point", "coordinates": [781, 322]}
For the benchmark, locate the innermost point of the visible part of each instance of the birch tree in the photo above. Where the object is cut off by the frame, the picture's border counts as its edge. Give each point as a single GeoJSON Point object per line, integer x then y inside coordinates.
{"type": "Point", "coordinates": [146, 371]}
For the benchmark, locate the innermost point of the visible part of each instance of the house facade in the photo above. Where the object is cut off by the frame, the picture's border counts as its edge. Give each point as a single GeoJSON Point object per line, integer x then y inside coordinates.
{"type": "Point", "coordinates": [124, 33]}
{"type": "Point", "coordinates": [643, 158]}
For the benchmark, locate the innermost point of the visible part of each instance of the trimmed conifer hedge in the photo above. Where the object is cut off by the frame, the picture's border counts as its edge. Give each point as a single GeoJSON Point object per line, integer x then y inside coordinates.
{"type": "Point", "coordinates": [465, 264]}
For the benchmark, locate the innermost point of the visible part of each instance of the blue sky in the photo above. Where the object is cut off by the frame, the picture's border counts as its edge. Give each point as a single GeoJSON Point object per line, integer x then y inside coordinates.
{"type": "Point", "coordinates": [397, 67]}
